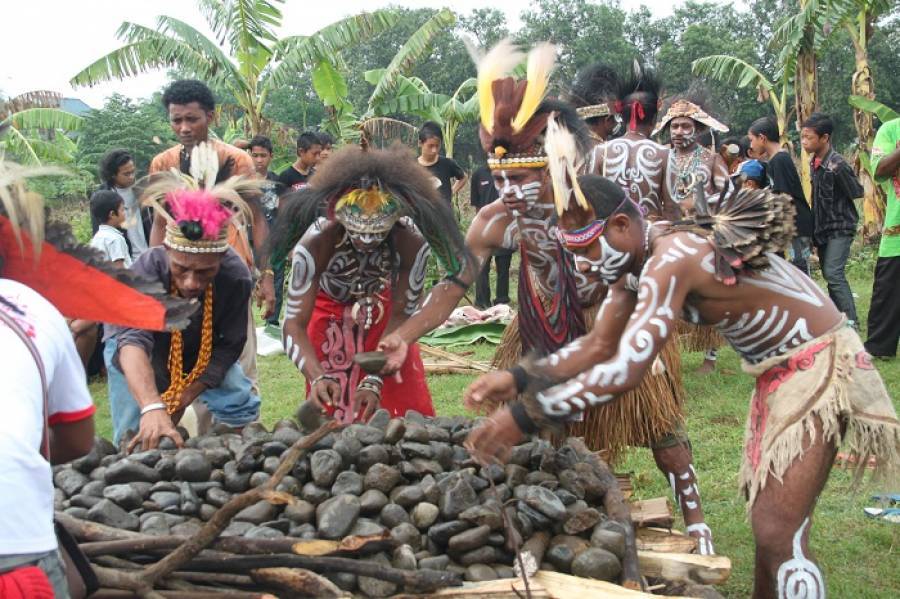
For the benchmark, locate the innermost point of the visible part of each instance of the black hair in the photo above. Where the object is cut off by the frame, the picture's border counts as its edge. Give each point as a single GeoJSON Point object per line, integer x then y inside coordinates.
{"type": "Point", "coordinates": [102, 203]}
{"type": "Point", "coordinates": [307, 140]}
{"type": "Point", "coordinates": [430, 129]}
{"type": "Point", "coordinates": [767, 126]}
{"type": "Point", "coordinates": [596, 84]}
{"type": "Point", "coordinates": [261, 141]}
{"type": "Point", "coordinates": [185, 91]}
{"type": "Point", "coordinates": [742, 143]}
{"type": "Point", "coordinates": [819, 122]}
{"type": "Point", "coordinates": [707, 136]}
{"type": "Point", "coordinates": [326, 138]}
{"type": "Point", "coordinates": [111, 162]}
{"type": "Point", "coordinates": [642, 86]}
{"type": "Point", "coordinates": [606, 197]}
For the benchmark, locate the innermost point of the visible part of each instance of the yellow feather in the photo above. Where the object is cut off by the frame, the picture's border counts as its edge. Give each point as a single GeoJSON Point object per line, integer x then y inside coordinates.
{"type": "Point", "coordinates": [540, 65]}
{"type": "Point", "coordinates": [496, 64]}
{"type": "Point", "coordinates": [24, 208]}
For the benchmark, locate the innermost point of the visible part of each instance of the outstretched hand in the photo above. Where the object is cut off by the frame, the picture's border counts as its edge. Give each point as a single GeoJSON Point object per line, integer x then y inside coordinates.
{"type": "Point", "coordinates": [265, 295]}
{"type": "Point", "coordinates": [326, 392]}
{"type": "Point", "coordinates": [154, 426]}
{"type": "Point", "coordinates": [490, 390]}
{"type": "Point", "coordinates": [395, 349]}
{"type": "Point", "coordinates": [493, 440]}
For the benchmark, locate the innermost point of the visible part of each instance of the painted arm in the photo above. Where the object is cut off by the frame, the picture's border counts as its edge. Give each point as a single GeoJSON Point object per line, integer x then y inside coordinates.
{"type": "Point", "coordinates": [661, 295]}
{"type": "Point", "coordinates": [301, 299]}
{"type": "Point", "coordinates": [407, 292]}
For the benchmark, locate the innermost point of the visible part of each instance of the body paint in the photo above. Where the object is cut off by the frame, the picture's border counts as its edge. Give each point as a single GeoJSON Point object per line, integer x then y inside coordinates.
{"type": "Point", "coordinates": [800, 578]}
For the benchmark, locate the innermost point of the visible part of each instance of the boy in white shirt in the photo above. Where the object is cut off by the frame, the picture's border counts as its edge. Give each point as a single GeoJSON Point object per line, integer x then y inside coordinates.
{"type": "Point", "coordinates": [108, 208]}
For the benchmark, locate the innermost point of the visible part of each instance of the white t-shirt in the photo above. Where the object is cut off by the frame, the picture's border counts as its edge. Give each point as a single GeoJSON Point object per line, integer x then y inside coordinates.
{"type": "Point", "coordinates": [26, 500]}
{"type": "Point", "coordinates": [111, 242]}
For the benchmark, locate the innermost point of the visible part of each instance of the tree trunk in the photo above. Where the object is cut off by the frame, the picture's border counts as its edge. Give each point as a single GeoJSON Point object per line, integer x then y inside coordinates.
{"type": "Point", "coordinates": [806, 89]}
{"type": "Point", "coordinates": [862, 85]}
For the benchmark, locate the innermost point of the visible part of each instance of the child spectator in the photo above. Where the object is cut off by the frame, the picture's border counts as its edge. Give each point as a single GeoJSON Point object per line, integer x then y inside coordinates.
{"type": "Point", "coordinates": [108, 209]}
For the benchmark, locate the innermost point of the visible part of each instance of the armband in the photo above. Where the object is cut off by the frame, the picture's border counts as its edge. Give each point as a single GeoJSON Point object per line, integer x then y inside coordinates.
{"type": "Point", "coordinates": [523, 420]}
{"type": "Point", "coordinates": [456, 281]}
{"type": "Point", "coordinates": [520, 376]}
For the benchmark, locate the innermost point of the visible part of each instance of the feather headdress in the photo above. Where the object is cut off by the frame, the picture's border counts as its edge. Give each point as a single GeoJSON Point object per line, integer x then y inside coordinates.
{"type": "Point", "coordinates": [685, 108]}
{"type": "Point", "coordinates": [73, 277]}
{"type": "Point", "coordinates": [564, 162]}
{"type": "Point", "coordinates": [196, 208]}
{"type": "Point", "coordinates": [594, 90]}
{"type": "Point", "coordinates": [512, 118]}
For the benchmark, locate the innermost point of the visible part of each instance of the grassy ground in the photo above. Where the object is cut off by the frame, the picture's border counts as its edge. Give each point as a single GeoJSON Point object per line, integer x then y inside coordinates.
{"type": "Point", "coordinates": [857, 555]}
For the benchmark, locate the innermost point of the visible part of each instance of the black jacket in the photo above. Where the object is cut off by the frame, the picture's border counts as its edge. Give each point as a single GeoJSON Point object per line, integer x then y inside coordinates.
{"type": "Point", "coordinates": [834, 187]}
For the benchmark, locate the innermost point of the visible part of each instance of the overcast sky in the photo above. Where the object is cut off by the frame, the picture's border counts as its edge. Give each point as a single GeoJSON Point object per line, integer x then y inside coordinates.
{"type": "Point", "coordinates": [45, 42]}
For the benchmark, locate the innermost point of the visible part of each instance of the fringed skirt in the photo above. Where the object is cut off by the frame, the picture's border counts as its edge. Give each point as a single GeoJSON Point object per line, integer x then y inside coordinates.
{"type": "Point", "coordinates": [639, 418]}
{"type": "Point", "coordinates": [697, 337]}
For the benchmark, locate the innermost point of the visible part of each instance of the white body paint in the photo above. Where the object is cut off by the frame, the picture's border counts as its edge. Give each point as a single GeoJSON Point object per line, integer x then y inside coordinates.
{"type": "Point", "coordinates": [800, 578]}
{"type": "Point", "coordinates": [636, 165]}
{"type": "Point", "coordinates": [417, 279]}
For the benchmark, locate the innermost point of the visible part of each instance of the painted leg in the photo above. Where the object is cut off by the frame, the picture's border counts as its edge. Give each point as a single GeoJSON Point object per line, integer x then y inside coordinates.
{"type": "Point", "coordinates": [781, 519]}
{"type": "Point", "coordinates": [709, 362]}
{"type": "Point", "coordinates": [676, 464]}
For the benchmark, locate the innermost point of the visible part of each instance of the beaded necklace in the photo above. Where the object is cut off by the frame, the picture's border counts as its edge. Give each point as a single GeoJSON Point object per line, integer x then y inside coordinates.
{"type": "Point", "coordinates": [178, 381]}
{"type": "Point", "coordinates": [686, 173]}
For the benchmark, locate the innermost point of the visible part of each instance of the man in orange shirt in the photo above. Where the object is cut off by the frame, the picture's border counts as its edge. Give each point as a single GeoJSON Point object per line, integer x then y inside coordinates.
{"type": "Point", "coordinates": [191, 107]}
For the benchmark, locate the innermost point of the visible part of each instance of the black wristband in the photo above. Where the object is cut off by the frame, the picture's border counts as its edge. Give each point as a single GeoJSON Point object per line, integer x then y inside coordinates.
{"type": "Point", "coordinates": [523, 420]}
{"type": "Point", "coordinates": [519, 376]}
{"type": "Point", "coordinates": [457, 281]}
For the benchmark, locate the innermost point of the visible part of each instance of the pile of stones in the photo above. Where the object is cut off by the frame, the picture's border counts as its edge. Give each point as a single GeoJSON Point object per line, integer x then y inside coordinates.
{"type": "Point", "coordinates": [408, 476]}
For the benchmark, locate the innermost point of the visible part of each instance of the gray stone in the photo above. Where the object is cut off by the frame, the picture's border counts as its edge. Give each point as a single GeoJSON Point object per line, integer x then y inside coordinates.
{"type": "Point", "coordinates": [207, 511]}
{"type": "Point", "coordinates": [394, 431]}
{"type": "Point", "coordinates": [407, 496]}
{"type": "Point", "coordinates": [126, 471]}
{"type": "Point", "coordinates": [187, 529]}
{"type": "Point", "coordinates": [561, 556]}
{"type": "Point", "coordinates": [70, 481]}
{"type": "Point", "coordinates": [237, 529]}
{"type": "Point", "coordinates": [373, 587]}
{"type": "Point", "coordinates": [108, 513]}
{"type": "Point", "coordinates": [300, 512]}
{"type": "Point", "coordinates": [85, 501]}
{"type": "Point", "coordinates": [493, 472]}
{"type": "Point", "coordinates": [407, 534]}
{"type": "Point", "coordinates": [567, 497]}
{"type": "Point", "coordinates": [313, 494]}
{"type": "Point", "coordinates": [259, 512]}
{"type": "Point", "coordinates": [416, 433]}
{"type": "Point", "coordinates": [440, 533]}
{"type": "Point", "coordinates": [166, 468]}
{"type": "Point", "coordinates": [347, 483]}
{"type": "Point", "coordinates": [270, 465]}
{"type": "Point", "coordinates": [218, 497]}
{"type": "Point", "coordinates": [412, 450]}
{"type": "Point", "coordinates": [480, 573]}
{"type": "Point", "coordinates": [424, 515]}
{"type": "Point", "coordinates": [344, 580]}
{"type": "Point", "coordinates": [367, 435]}
{"type": "Point", "coordinates": [94, 488]}
{"type": "Point", "coordinates": [581, 521]}
{"type": "Point", "coordinates": [147, 458]}
{"type": "Point", "coordinates": [156, 524]}
{"type": "Point", "coordinates": [542, 500]}
{"type": "Point", "coordinates": [309, 415]}
{"type": "Point", "coordinates": [482, 555]}
{"type": "Point", "coordinates": [190, 502]}
{"type": "Point", "coordinates": [77, 512]}
{"type": "Point", "coordinates": [503, 571]}
{"type": "Point", "coordinates": [273, 449]}
{"type": "Point", "coordinates": [610, 538]}
{"type": "Point", "coordinates": [349, 447]}
{"type": "Point", "coordinates": [125, 496]}
{"type": "Point", "coordinates": [166, 500]}
{"type": "Point", "coordinates": [458, 497]}
{"type": "Point", "coordinates": [436, 433]}
{"type": "Point", "coordinates": [303, 531]}
{"type": "Point", "coordinates": [380, 419]}
{"type": "Point", "coordinates": [325, 465]}
{"type": "Point", "coordinates": [286, 435]}
{"type": "Point", "coordinates": [372, 501]}
{"type": "Point", "coordinates": [424, 467]}
{"type": "Point", "coordinates": [371, 455]}
{"type": "Point", "coordinates": [263, 532]}
{"type": "Point", "coordinates": [285, 423]}
{"type": "Point", "coordinates": [366, 528]}
{"type": "Point", "coordinates": [404, 558]}
{"type": "Point", "coordinates": [392, 515]}
{"type": "Point", "coordinates": [164, 485]}
{"type": "Point", "coordinates": [381, 477]}
{"type": "Point", "coordinates": [289, 485]}
{"type": "Point", "coordinates": [597, 563]}
{"type": "Point", "coordinates": [515, 475]}
{"type": "Point", "coordinates": [335, 517]}
{"type": "Point", "coordinates": [88, 462]}
{"type": "Point", "coordinates": [483, 515]}
{"type": "Point", "coordinates": [438, 562]}
{"type": "Point", "coordinates": [468, 540]}
{"type": "Point", "coordinates": [258, 479]}
{"type": "Point", "coordinates": [545, 480]}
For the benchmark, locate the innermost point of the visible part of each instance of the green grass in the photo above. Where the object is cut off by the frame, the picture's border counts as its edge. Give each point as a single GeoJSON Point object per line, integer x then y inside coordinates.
{"type": "Point", "coordinates": [857, 555]}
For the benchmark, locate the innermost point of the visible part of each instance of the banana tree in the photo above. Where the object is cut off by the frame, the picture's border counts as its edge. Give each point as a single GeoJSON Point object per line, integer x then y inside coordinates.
{"type": "Point", "coordinates": [246, 56]}
{"type": "Point", "coordinates": [36, 129]}
{"type": "Point", "coordinates": [873, 214]}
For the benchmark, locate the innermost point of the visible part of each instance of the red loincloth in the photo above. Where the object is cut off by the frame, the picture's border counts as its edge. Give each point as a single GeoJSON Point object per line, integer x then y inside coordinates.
{"type": "Point", "coordinates": [337, 338]}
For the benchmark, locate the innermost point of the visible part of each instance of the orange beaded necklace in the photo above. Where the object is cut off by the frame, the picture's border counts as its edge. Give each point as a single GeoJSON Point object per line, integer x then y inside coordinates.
{"type": "Point", "coordinates": [178, 381]}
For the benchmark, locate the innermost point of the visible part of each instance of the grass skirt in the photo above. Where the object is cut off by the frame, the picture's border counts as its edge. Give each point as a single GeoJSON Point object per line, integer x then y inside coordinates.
{"type": "Point", "coordinates": [694, 337]}
{"type": "Point", "coordinates": [638, 418]}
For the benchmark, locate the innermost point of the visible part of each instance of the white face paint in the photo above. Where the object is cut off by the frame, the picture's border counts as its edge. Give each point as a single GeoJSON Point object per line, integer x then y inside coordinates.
{"type": "Point", "coordinates": [611, 265]}
{"type": "Point", "coordinates": [366, 241]}
{"type": "Point", "coordinates": [516, 195]}
{"type": "Point", "coordinates": [800, 578]}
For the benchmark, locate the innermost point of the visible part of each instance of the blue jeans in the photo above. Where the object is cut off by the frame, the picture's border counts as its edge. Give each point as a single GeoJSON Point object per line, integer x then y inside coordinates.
{"type": "Point", "coordinates": [801, 249]}
{"type": "Point", "coordinates": [833, 255]}
{"type": "Point", "coordinates": [51, 563]}
{"type": "Point", "coordinates": [232, 402]}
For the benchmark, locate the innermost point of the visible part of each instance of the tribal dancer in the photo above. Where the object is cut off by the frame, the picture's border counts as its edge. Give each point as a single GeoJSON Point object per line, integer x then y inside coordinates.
{"type": "Point", "coordinates": [359, 237]}
{"type": "Point", "coordinates": [816, 385]}
{"type": "Point", "coordinates": [557, 302]}
{"type": "Point", "coordinates": [634, 161]}
{"type": "Point", "coordinates": [154, 376]}
{"type": "Point", "coordinates": [594, 95]}
{"type": "Point", "coordinates": [689, 164]}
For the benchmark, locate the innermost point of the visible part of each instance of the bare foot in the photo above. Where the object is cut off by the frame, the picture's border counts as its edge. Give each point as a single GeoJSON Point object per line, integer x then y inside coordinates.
{"type": "Point", "coordinates": [707, 367]}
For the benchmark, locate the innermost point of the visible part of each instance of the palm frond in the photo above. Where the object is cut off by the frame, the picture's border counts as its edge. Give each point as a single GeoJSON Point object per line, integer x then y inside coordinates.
{"type": "Point", "coordinates": [382, 132]}
{"type": "Point", "coordinates": [45, 118]}
{"type": "Point", "coordinates": [329, 84]}
{"type": "Point", "coordinates": [243, 24]}
{"type": "Point", "coordinates": [730, 69]}
{"type": "Point", "coordinates": [32, 99]}
{"type": "Point", "coordinates": [296, 53]}
{"type": "Point", "coordinates": [427, 105]}
{"type": "Point", "coordinates": [883, 112]}
{"type": "Point", "coordinates": [416, 47]}
{"type": "Point", "coordinates": [194, 38]}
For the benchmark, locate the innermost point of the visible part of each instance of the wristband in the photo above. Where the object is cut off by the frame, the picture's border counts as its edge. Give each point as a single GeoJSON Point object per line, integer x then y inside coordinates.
{"type": "Point", "coordinates": [268, 271]}
{"type": "Point", "coordinates": [330, 377]}
{"type": "Point", "coordinates": [523, 420]}
{"type": "Point", "coordinates": [457, 281]}
{"type": "Point", "coordinates": [519, 376]}
{"type": "Point", "coordinates": [153, 407]}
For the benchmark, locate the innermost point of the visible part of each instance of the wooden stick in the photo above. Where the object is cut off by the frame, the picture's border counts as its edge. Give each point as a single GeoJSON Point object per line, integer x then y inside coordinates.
{"type": "Point", "coordinates": [105, 593]}
{"type": "Point", "coordinates": [231, 580]}
{"type": "Point", "coordinates": [440, 353]}
{"type": "Point", "coordinates": [420, 580]}
{"type": "Point", "coordinates": [617, 510]}
{"type": "Point", "coordinates": [84, 530]}
{"type": "Point", "coordinates": [686, 567]}
{"type": "Point", "coordinates": [297, 582]}
{"type": "Point", "coordinates": [220, 520]}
